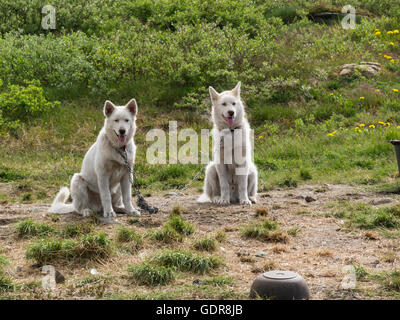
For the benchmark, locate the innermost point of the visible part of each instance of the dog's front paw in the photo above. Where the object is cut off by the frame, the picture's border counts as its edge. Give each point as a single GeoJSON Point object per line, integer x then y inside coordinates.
{"type": "Point", "coordinates": [134, 213]}
{"type": "Point", "coordinates": [245, 202]}
{"type": "Point", "coordinates": [110, 213]}
{"type": "Point", "coordinates": [85, 212]}
{"type": "Point", "coordinates": [253, 199]}
{"type": "Point", "coordinates": [220, 201]}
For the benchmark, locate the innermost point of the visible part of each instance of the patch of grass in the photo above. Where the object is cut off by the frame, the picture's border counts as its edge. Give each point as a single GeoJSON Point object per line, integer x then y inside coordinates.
{"type": "Point", "coordinates": [293, 231]}
{"type": "Point", "coordinates": [5, 282]}
{"type": "Point", "coordinates": [265, 231]}
{"type": "Point", "coordinates": [181, 226]}
{"type": "Point", "coordinates": [150, 275]}
{"type": "Point", "coordinates": [87, 247]}
{"type": "Point", "coordinates": [166, 235]}
{"type": "Point", "coordinates": [72, 230]}
{"type": "Point", "coordinates": [305, 174]}
{"type": "Point", "coordinates": [205, 244]}
{"type": "Point", "coordinates": [366, 217]}
{"type": "Point", "coordinates": [324, 253]}
{"type": "Point", "coordinates": [186, 261]}
{"type": "Point", "coordinates": [28, 228]}
{"type": "Point", "coordinates": [220, 236]}
{"type": "Point", "coordinates": [392, 281]}
{"type": "Point", "coordinates": [132, 240]}
{"type": "Point", "coordinates": [288, 182]}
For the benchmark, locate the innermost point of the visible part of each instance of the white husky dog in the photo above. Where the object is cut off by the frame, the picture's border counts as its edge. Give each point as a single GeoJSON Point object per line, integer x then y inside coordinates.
{"type": "Point", "coordinates": [232, 176]}
{"type": "Point", "coordinates": [104, 178]}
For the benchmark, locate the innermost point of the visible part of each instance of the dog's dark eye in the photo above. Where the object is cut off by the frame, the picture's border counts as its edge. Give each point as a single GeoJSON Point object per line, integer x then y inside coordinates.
{"type": "Point", "coordinates": [116, 121]}
{"type": "Point", "coordinates": [126, 120]}
{"type": "Point", "coordinates": [234, 103]}
{"type": "Point", "coordinates": [224, 104]}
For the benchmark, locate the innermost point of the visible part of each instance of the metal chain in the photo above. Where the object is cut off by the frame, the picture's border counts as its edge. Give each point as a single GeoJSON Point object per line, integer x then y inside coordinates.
{"type": "Point", "coordinates": [142, 203]}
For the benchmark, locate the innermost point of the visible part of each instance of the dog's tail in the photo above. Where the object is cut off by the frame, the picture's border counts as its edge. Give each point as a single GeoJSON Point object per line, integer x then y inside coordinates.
{"type": "Point", "coordinates": [204, 198]}
{"type": "Point", "coordinates": [59, 206]}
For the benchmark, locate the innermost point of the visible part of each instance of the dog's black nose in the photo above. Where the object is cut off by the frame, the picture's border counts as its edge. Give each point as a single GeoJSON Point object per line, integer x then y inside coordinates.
{"type": "Point", "coordinates": [122, 131]}
{"type": "Point", "coordinates": [231, 113]}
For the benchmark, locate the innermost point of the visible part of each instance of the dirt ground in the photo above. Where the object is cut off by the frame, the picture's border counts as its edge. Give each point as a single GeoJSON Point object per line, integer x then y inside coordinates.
{"type": "Point", "coordinates": [318, 252]}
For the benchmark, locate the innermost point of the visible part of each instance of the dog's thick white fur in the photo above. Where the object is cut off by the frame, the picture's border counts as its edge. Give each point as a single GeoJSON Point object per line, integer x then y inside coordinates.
{"type": "Point", "coordinates": [103, 185]}
{"type": "Point", "coordinates": [229, 180]}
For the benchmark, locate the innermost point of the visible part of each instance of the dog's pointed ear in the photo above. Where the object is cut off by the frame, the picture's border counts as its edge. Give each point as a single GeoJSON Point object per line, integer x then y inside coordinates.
{"type": "Point", "coordinates": [236, 90]}
{"type": "Point", "coordinates": [213, 94]}
{"type": "Point", "coordinates": [108, 108]}
{"type": "Point", "coordinates": [132, 107]}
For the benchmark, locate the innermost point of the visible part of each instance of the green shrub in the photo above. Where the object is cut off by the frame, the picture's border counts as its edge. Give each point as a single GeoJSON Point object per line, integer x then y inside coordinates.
{"type": "Point", "coordinates": [24, 103]}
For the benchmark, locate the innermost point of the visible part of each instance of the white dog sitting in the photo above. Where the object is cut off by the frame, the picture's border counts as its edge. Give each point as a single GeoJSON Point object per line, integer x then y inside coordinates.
{"type": "Point", "coordinates": [104, 178]}
{"type": "Point", "coordinates": [232, 176]}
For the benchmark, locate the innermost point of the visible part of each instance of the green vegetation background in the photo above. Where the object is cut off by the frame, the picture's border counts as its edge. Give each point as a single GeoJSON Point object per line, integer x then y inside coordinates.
{"type": "Point", "coordinates": [166, 53]}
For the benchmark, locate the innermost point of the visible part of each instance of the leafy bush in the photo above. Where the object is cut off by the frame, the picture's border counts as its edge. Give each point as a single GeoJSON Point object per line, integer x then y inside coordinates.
{"type": "Point", "coordinates": [23, 103]}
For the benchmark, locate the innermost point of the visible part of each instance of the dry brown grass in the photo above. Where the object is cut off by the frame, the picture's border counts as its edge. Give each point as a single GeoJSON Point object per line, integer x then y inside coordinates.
{"type": "Point", "coordinates": [261, 212]}
{"type": "Point", "coordinates": [279, 249]}
{"type": "Point", "coordinates": [323, 253]}
{"type": "Point", "coordinates": [371, 235]}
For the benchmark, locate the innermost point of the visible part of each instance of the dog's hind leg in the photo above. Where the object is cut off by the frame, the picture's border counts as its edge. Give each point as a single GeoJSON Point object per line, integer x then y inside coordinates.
{"type": "Point", "coordinates": [211, 185]}
{"type": "Point", "coordinates": [79, 194]}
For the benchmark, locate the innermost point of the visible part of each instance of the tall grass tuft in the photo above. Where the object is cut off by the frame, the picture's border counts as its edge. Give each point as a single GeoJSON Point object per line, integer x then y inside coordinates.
{"type": "Point", "coordinates": [186, 261]}
{"type": "Point", "coordinates": [149, 275]}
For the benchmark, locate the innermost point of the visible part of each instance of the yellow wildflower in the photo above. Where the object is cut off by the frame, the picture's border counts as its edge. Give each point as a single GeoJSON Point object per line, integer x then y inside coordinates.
{"type": "Point", "coordinates": [398, 127]}
{"type": "Point", "coordinates": [260, 137]}
{"type": "Point", "coordinates": [362, 125]}
{"type": "Point", "coordinates": [377, 90]}
{"type": "Point", "coordinates": [395, 90]}
{"type": "Point", "coordinates": [392, 43]}
{"type": "Point", "coordinates": [372, 126]}
{"type": "Point", "coordinates": [331, 94]}
{"type": "Point", "coordinates": [388, 124]}
{"type": "Point", "coordinates": [377, 33]}
{"type": "Point", "coordinates": [389, 32]}
{"type": "Point", "coordinates": [381, 122]}
{"type": "Point", "coordinates": [356, 128]}
{"type": "Point", "coordinates": [395, 31]}
{"type": "Point", "coordinates": [362, 98]}
{"type": "Point", "coordinates": [392, 61]}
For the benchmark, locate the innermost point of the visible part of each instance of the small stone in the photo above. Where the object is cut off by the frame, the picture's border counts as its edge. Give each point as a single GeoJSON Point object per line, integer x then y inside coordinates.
{"type": "Point", "coordinates": [310, 199]}
{"type": "Point", "coordinates": [378, 202]}
{"type": "Point", "coordinates": [19, 269]}
{"type": "Point", "coordinates": [93, 271]}
{"type": "Point", "coordinates": [59, 277]}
